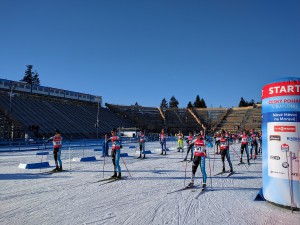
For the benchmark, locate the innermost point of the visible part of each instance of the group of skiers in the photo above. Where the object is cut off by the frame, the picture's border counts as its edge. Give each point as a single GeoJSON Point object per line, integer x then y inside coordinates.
{"type": "Point", "coordinates": [247, 138]}
{"type": "Point", "coordinates": [196, 144]}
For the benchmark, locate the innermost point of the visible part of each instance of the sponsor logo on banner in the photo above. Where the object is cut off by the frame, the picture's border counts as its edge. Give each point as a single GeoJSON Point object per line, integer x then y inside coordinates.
{"type": "Point", "coordinates": [275, 138]}
{"type": "Point", "coordinates": [285, 147]}
{"type": "Point", "coordinates": [275, 157]}
{"type": "Point", "coordinates": [276, 172]}
{"type": "Point", "coordinates": [293, 139]}
{"type": "Point", "coordinates": [294, 156]}
{"type": "Point", "coordinates": [285, 128]}
{"type": "Point", "coordinates": [295, 174]}
{"type": "Point", "coordinates": [285, 165]}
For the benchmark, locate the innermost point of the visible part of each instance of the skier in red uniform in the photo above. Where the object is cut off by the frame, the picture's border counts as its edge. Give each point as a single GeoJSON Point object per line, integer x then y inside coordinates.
{"type": "Point", "coordinates": [244, 146]}
{"type": "Point", "coordinates": [224, 148]}
{"type": "Point", "coordinates": [57, 144]}
{"type": "Point", "coordinates": [199, 158]}
{"type": "Point", "coordinates": [162, 140]}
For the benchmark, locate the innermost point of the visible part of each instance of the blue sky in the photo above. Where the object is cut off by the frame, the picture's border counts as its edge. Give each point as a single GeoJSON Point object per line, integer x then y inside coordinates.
{"type": "Point", "coordinates": [143, 51]}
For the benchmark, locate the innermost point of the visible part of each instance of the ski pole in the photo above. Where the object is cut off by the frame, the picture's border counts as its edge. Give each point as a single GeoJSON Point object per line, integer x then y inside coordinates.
{"type": "Point", "coordinates": [210, 171]}
{"type": "Point", "coordinates": [104, 157]}
{"type": "Point", "coordinates": [238, 155]}
{"type": "Point", "coordinates": [126, 167]}
{"type": "Point", "coordinates": [214, 158]}
{"type": "Point", "coordinates": [70, 159]}
{"type": "Point", "coordinates": [185, 173]}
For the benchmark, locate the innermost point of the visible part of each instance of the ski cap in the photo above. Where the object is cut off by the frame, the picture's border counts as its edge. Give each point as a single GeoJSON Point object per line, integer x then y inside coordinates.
{"type": "Point", "coordinates": [114, 130]}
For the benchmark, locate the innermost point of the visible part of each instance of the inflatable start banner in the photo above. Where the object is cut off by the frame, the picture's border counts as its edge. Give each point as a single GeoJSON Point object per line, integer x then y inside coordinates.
{"type": "Point", "coordinates": [281, 141]}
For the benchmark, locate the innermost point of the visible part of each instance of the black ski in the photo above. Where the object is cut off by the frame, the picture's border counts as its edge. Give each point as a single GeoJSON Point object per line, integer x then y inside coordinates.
{"type": "Point", "coordinates": [53, 171]}
{"type": "Point", "coordinates": [200, 193]}
{"type": "Point", "coordinates": [105, 179]}
{"type": "Point", "coordinates": [183, 189]}
{"type": "Point", "coordinates": [221, 173]}
{"type": "Point", "coordinates": [231, 173]}
{"type": "Point", "coordinates": [113, 180]}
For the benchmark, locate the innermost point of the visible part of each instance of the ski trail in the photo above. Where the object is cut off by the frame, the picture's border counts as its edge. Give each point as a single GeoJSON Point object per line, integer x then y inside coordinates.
{"type": "Point", "coordinates": [189, 209]}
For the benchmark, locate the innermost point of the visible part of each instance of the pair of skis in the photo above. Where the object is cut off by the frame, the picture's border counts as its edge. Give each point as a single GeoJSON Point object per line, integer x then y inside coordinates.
{"type": "Point", "coordinates": [193, 188]}
{"type": "Point", "coordinates": [224, 172]}
{"type": "Point", "coordinates": [53, 171]}
{"type": "Point", "coordinates": [186, 161]}
{"type": "Point", "coordinates": [109, 180]}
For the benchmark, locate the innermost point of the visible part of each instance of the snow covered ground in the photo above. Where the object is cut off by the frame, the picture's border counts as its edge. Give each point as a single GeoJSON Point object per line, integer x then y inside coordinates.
{"type": "Point", "coordinates": [73, 197]}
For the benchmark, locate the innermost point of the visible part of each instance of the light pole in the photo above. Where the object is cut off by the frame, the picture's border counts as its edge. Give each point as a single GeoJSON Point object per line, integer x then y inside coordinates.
{"type": "Point", "coordinates": [97, 124]}
{"type": "Point", "coordinates": [10, 109]}
{"type": "Point", "coordinates": [10, 96]}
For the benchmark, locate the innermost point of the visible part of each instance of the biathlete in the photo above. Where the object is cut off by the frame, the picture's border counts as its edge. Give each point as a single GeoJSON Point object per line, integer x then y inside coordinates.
{"type": "Point", "coordinates": [163, 142]}
{"type": "Point", "coordinates": [57, 144]}
{"type": "Point", "coordinates": [217, 138]}
{"type": "Point", "coordinates": [224, 149]}
{"type": "Point", "coordinates": [244, 146]}
{"type": "Point", "coordinates": [189, 141]}
{"type": "Point", "coordinates": [115, 152]}
{"type": "Point", "coordinates": [254, 136]}
{"type": "Point", "coordinates": [142, 140]}
{"type": "Point", "coordinates": [180, 141]}
{"type": "Point", "coordinates": [199, 158]}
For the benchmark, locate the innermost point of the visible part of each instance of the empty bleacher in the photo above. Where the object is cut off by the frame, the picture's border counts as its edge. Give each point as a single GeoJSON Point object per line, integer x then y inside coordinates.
{"type": "Point", "coordinates": [241, 118]}
{"type": "Point", "coordinates": [154, 119]}
{"type": "Point", "coordinates": [254, 120]}
{"type": "Point", "coordinates": [75, 119]}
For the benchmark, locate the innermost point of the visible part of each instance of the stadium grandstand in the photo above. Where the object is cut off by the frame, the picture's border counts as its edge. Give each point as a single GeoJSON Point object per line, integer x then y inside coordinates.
{"type": "Point", "coordinates": [153, 119]}
{"type": "Point", "coordinates": [36, 111]}
{"type": "Point", "coordinates": [30, 111]}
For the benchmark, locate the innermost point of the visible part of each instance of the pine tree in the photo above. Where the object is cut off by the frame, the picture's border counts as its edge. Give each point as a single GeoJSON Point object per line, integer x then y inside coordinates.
{"type": "Point", "coordinates": [173, 102]}
{"type": "Point", "coordinates": [203, 104]}
{"type": "Point", "coordinates": [242, 102]}
{"type": "Point", "coordinates": [164, 104]}
{"type": "Point", "coordinates": [252, 102]}
{"type": "Point", "coordinates": [190, 105]}
{"type": "Point", "coordinates": [28, 75]}
{"type": "Point", "coordinates": [197, 103]}
{"type": "Point", "coordinates": [31, 77]}
{"type": "Point", "coordinates": [36, 79]}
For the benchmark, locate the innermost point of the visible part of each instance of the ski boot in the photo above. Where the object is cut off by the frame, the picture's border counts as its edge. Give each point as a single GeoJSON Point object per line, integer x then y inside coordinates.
{"type": "Point", "coordinates": [248, 161]}
{"type": "Point", "coordinates": [231, 170]}
{"type": "Point", "coordinates": [191, 184]}
{"type": "Point", "coordinates": [119, 176]}
{"type": "Point", "coordinates": [254, 156]}
{"type": "Point", "coordinates": [178, 149]}
{"type": "Point", "coordinates": [223, 170]}
{"type": "Point", "coordinates": [161, 153]}
{"type": "Point", "coordinates": [165, 152]}
{"type": "Point", "coordinates": [241, 160]}
{"type": "Point", "coordinates": [144, 157]}
{"type": "Point", "coordinates": [250, 156]}
{"type": "Point", "coordinates": [115, 175]}
{"type": "Point", "coordinates": [56, 169]}
{"type": "Point", "coordinates": [204, 185]}
{"type": "Point", "coordinates": [140, 157]}
{"type": "Point", "coordinates": [60, 168]}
